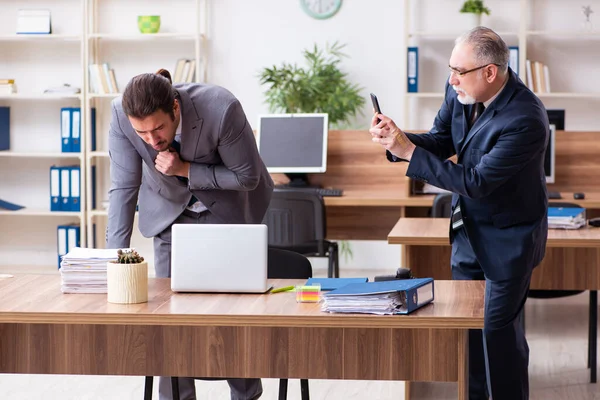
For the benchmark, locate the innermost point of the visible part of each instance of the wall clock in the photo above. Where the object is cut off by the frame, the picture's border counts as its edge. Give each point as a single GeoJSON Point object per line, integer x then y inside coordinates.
{"type": "Point", "coordinates": [321, 9]}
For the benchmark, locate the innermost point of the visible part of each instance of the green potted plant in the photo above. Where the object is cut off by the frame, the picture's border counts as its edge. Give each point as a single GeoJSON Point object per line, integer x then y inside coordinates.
{"type": "Point", "coordinates": [320, 88]}
{"type": "Point", "coordinates": [475, 8]}
{"type": "Point", "coordinates": [127, 278]}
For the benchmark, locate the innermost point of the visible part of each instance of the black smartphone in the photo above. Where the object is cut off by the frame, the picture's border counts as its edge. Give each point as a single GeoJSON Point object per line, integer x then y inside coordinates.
{"type": "Point", "coordinates": [376, 105]}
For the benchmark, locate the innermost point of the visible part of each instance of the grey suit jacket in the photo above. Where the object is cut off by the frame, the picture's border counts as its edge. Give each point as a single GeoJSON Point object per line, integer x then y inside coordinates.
{"type": "Point", "coordinates": [226, 173]}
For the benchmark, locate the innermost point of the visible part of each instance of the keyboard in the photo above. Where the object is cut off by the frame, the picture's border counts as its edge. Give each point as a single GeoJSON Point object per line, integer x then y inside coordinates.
{"type": "Point", "coordinates": [324, 192]}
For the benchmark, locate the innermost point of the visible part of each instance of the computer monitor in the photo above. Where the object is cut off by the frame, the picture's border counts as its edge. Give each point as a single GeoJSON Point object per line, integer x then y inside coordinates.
{"type": "Point", "coordinates": [293, 144]}
{"type": "Point", "coordinates": [549, 159]}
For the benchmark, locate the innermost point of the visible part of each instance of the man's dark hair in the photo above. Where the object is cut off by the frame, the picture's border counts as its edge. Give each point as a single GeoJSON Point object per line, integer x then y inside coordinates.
{"type": "Point", "coordinates": [147, 93]}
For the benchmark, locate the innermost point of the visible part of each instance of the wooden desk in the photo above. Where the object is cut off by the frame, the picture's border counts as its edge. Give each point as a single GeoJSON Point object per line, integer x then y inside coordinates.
{"type": "Point", "coordinates": [572, 261]}
{"type": "Point", "coordinates": [427, 253]}
{"type": "Point", "coordinates": [224, 335]}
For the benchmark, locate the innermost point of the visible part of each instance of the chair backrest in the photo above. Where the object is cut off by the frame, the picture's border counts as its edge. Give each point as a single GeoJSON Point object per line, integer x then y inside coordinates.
{"type": "Point", "coordinates": [285, 264]}
{"type": "Point", "coordinates": [295, 217]}
{"type": "Point", "coordinates": [442, 206]}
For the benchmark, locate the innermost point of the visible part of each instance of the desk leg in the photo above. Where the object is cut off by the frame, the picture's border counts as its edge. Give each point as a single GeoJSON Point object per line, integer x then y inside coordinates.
{"type": "Point", "coordinates": [407, 390]}
{"type": "Point", "coordinates": [463, 365]}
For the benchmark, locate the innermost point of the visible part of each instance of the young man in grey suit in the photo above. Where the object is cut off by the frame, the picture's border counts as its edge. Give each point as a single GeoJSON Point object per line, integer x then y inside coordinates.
{"type": "Point", "coordinates": [190, 154]}
{"type": "Point", "coordinates": [498, 129]}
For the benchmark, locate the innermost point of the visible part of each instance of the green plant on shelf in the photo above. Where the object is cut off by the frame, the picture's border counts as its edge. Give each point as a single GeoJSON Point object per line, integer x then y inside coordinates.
{"type": "Point", "coordinates": [474, 7]}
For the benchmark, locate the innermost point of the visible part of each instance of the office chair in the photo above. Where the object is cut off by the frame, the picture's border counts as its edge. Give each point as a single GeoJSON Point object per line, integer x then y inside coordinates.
{"type": "Point", "coordinates": [286, 264]}
{"type": "Point", "coordinates": [296, 222]}
{"type": "Point", "coordinates": [442, 206]}
{"type": "Point", "coordinates": [592, 313]}
{"type": "Point", "coordinates": [281, 264]}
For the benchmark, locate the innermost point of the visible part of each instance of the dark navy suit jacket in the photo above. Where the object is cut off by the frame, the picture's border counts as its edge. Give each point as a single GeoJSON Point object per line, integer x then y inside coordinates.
{"type": "Point", "coordinates": [498, 179]}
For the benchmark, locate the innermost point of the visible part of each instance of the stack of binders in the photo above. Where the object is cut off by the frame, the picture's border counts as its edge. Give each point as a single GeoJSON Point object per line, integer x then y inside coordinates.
{"type": "Point", "coordinates": [65, 193]}
{"type": "Point", "coordinates": [67, 237]}
{"type": "Point", "coordinates": [383, 298]}
{"type": "Point", "coordinates": [70, 129]}
{"type": "Point", "coordinates": [566, 217]}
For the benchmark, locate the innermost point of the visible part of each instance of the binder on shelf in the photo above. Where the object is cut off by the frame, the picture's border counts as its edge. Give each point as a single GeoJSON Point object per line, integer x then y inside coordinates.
{"type": "Point", "coordinates": [401, 296]}
{"type": "Point", "coordinates": [4, 128]}
{"type": "Point", "coordinates": [93, 185]}
{"type": "Point", "coordinates": [75, 130]}
{"type": "Point", "coordinates": [55, 189]}
{"type": "Point", "coordinates": [413, 69]}
{"type": "Point", "coordinates": [73, 237]}
{"type": "Point", "coordinates": [6, 205]}
{"type": "Point", "coordinates": [65, 188]}
{"type": "Point", "coordinates": [61, 241]}
{"type": "Point", "coordinates": [513, 59]}
{"type": "Point", "coordinates": [65, 130]}
{"type": "Point", "coordinates": [75, 192]}
{"type": "Point", "coordinates": [93, 128]}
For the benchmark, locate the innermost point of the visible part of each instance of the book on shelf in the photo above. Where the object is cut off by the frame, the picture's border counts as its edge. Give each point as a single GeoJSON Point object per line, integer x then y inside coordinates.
{"type": "Point", "coordinates": [185, 70]}
{"type": "Point", "coordinates": [102, 79]}
{"type": "Point", "coordinates": [538, 76]}
{"type": "Point", "coordinates": [8, 88]}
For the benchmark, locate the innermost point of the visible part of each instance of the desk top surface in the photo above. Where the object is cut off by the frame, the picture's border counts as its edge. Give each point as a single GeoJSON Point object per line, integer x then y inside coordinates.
{"type": "Point", "coordinates": [365, 196]}
{"type": "Point", "coordinates": [435, 231]}
{"type": "Point", "coordinates": [37, 299]}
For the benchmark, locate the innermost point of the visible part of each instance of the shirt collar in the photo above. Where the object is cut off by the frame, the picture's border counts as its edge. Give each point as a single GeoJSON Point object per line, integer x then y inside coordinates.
{"type": "Point", "coordinates": [178, 131]}
{"type": "Point", "coordinates": [487, 103]}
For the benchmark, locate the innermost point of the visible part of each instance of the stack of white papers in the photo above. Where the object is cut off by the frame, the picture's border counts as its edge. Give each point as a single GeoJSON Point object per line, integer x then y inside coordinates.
{"type": "Point", "coordinates": [83, 270]}
{"type": "Point", "coordinates": [566, 217]}
{"type": "Point", "coordinates": [381, 304]}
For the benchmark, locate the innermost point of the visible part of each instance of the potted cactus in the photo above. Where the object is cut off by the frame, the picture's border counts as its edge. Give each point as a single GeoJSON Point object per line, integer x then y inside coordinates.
{"type": "Point", "coordinates": [127, 278]}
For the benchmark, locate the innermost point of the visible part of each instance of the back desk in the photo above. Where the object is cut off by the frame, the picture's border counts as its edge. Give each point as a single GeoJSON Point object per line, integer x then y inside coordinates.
{"type": "Point", "coordinates": [377, 192]}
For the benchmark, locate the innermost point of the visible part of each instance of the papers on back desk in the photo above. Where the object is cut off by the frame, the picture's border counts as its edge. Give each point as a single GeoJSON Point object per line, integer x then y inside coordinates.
{"type": "Point", "coordinates": [566, 217]}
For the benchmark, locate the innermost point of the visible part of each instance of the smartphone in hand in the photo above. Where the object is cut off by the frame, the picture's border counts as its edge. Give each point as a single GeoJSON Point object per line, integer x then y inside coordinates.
{"type": "Point", "coordinates": [376, 105]}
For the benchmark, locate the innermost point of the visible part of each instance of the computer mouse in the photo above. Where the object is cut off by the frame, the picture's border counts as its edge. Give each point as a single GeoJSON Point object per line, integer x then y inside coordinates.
{"type": "Point", "coordinates": [579, 196]}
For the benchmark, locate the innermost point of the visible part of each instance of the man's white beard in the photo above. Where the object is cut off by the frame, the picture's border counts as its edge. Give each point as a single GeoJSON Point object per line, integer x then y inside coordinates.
{"type": "Point", "coordinates": [465, 99]}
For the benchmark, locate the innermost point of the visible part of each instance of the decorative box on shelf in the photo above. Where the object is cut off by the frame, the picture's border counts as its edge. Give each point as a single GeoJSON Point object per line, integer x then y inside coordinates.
{"type": "Point", "coordinates": [33, 21]}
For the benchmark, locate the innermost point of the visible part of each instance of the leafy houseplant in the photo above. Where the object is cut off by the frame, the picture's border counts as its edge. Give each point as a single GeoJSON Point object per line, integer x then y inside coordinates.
{"type": "Point", "coordinates": [127, 278]}
{"type": "Point", "coordinates": [474, 7]}
{"type": "Point", "coordinates": [320, 88]}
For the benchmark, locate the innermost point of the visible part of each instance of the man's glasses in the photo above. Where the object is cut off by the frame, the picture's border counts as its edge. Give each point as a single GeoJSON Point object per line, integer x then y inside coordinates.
{"type": "Point", "coordinates": [463, 73]}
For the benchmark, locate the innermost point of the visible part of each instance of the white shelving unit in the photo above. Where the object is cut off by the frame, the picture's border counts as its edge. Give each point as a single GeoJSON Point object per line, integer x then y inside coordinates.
{"type": "Point", "coordinates": [38, 62]}
{"type": "Point", "coordinates": [539, 28]}
{"type": "Point", "coordinates": [112, 37]}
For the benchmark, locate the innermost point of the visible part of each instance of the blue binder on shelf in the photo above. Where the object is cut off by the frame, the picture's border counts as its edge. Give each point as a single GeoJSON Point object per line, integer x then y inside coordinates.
{"type": "Point", "coordinates": [65, 189]}
{"type": "Point", "coordinates": [75, 189]}
{"type": "Point", "coordinates": [66, 130]}
{"type": "Point", "coordinates": [93, 128]}
{"type": "Point", "coordinates": [4, 128]}
{"type": "Point", "coordinates": [415, 293]}
{"type": "Point", "coordinates": [413, 70]}
{"type": "Point", "coordinates": [67, 238]}
{"type": "Point", "coordinates": [55, 189]}
{"type": "Point", "coordinates": [61, 241]}
{"type": "Point", "coordinates": [75, 130]}
{"type": "Point", "coordinates": [334, 283]}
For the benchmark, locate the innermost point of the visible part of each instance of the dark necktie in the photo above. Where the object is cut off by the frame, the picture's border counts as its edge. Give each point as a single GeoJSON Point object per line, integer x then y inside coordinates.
{"type": "Point", "coordinates": [477, 110]}
{"type": "Point", "coordinates": [177, 146]}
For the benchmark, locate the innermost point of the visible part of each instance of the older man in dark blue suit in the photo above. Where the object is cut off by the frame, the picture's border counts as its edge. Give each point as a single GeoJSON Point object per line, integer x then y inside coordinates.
{"type": "Point", "coordinates": [498, 129]}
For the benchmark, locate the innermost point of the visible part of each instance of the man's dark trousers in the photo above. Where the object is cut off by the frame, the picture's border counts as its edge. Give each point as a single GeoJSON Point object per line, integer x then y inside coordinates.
{"type": "Point", "coordinates": [505, 351]}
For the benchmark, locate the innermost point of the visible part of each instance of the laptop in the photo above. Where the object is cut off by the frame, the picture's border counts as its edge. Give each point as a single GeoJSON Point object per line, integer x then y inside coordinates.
{"type": "Point", "coordinates": [219, 258]}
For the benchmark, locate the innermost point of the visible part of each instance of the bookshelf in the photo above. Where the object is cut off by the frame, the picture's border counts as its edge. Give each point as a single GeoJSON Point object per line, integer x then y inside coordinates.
{"type": "Point", "coordinates": [547, 31]}
{"type": "Point", "coordinates": [38, 62]}
{"type": "Point", "coordinates": [112, 37]}
{"type": "Point", "coordinates": [84, 32]}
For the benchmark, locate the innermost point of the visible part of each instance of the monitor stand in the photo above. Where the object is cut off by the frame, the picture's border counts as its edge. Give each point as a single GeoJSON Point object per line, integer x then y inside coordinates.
{"type": "Point", "coordinates": [297, 180]}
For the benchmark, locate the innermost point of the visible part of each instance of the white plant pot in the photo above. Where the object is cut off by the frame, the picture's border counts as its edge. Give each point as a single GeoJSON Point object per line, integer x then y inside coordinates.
{"type": "Point", "coordinates": [127, 283]}
{"type": "Point", "coordinates": [473, 20]}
